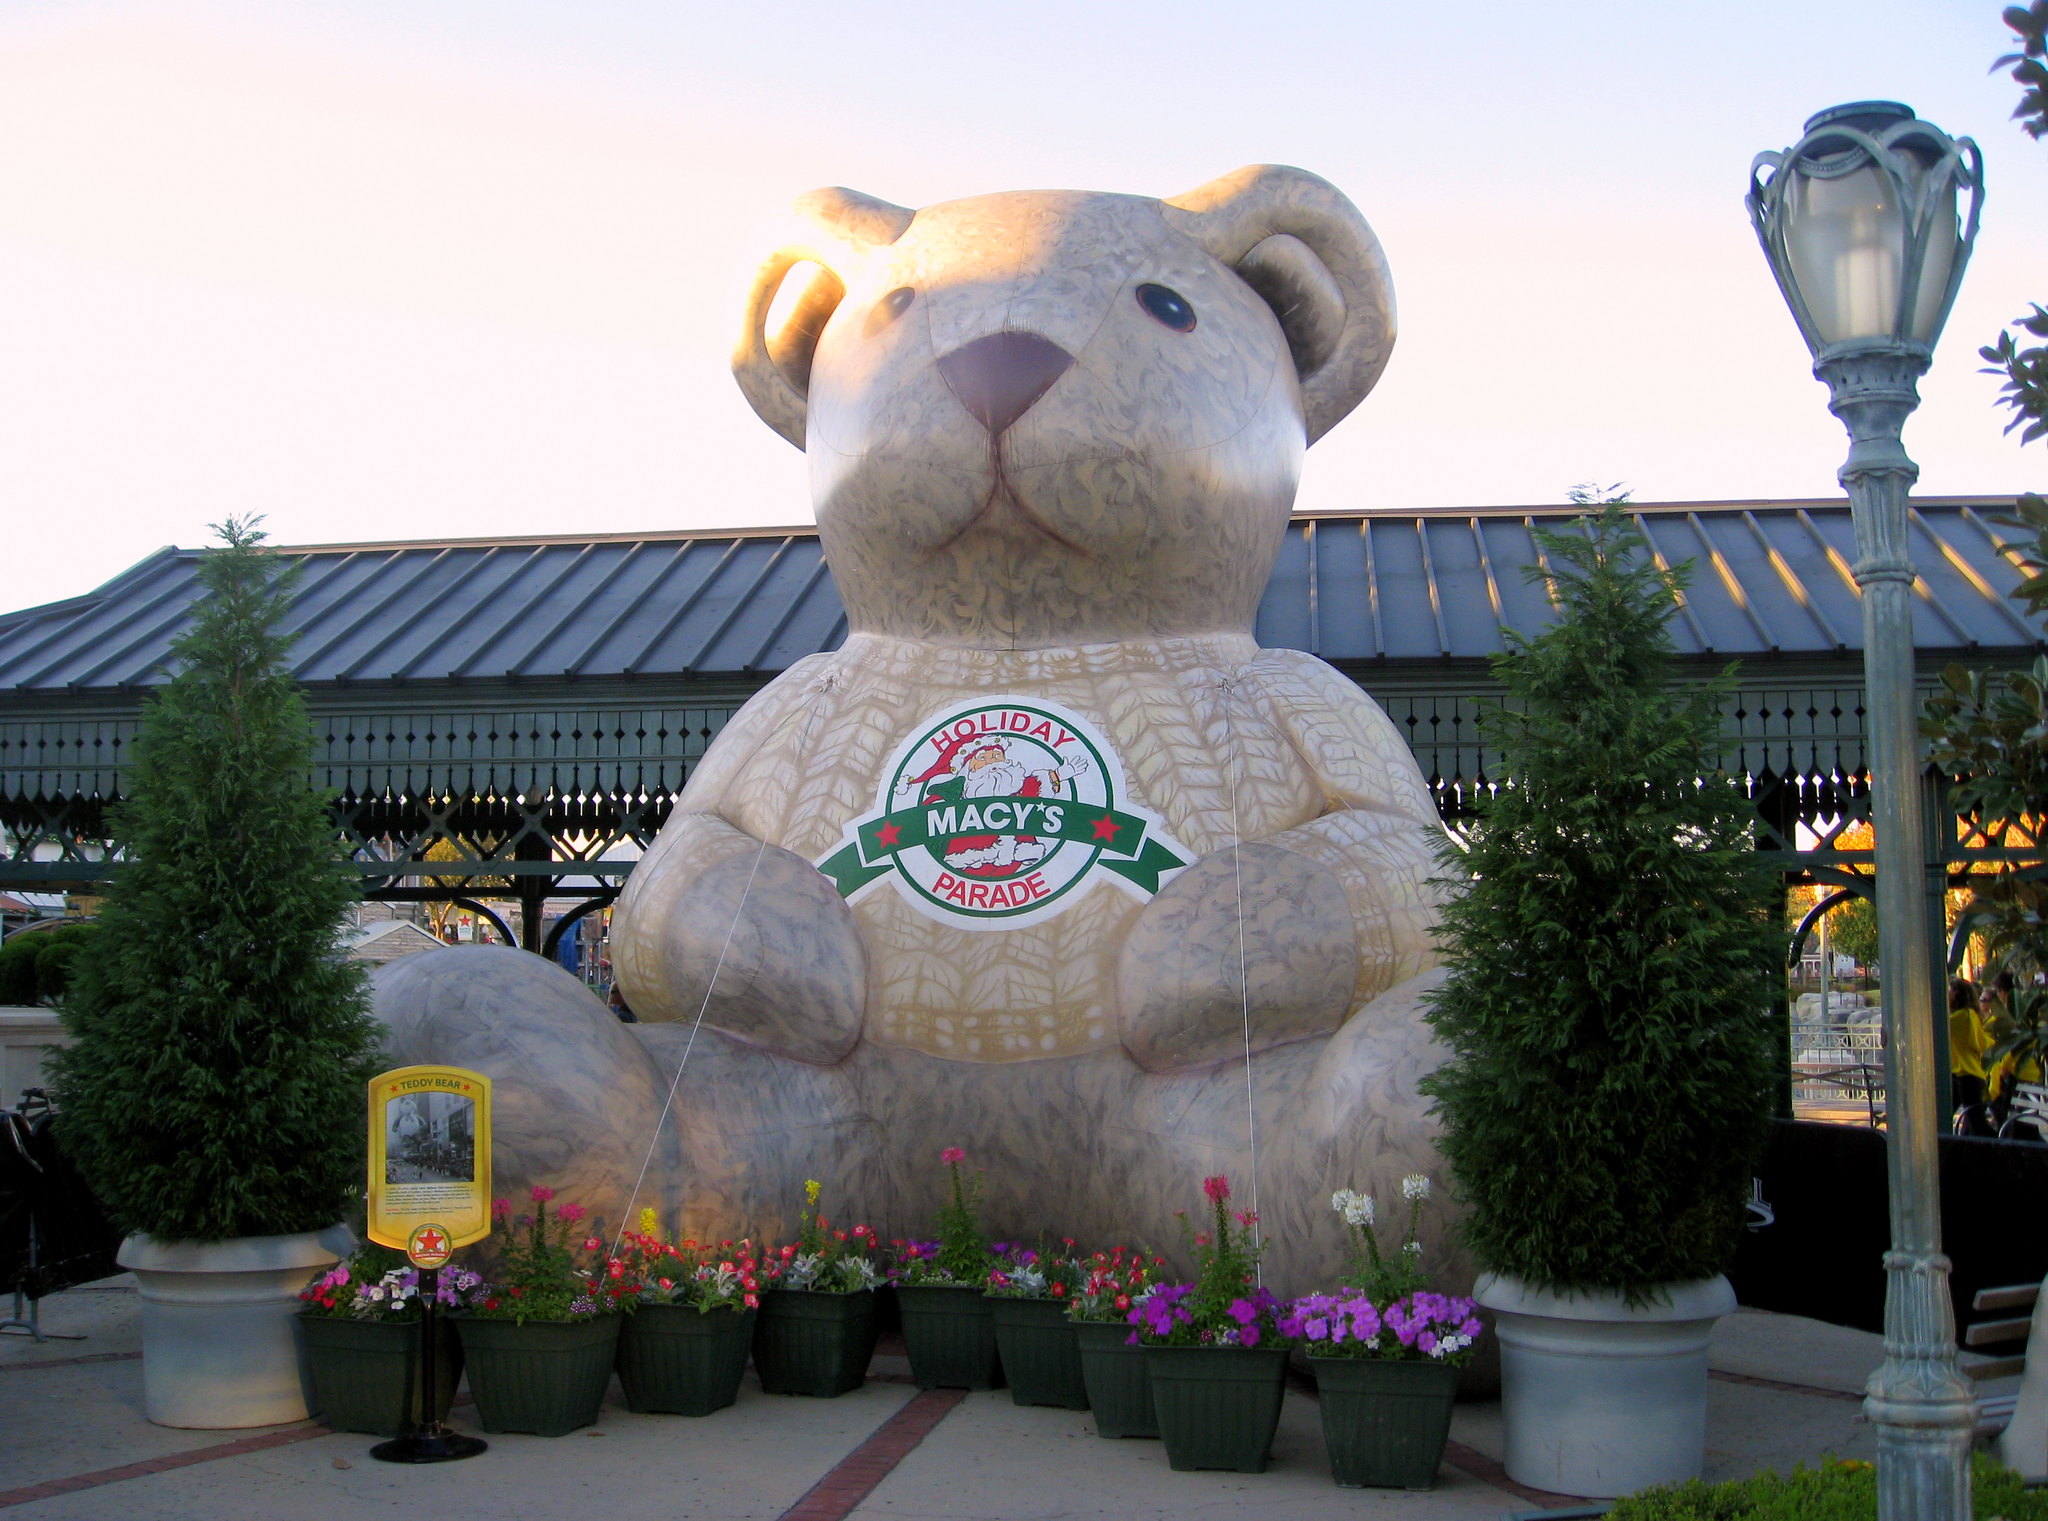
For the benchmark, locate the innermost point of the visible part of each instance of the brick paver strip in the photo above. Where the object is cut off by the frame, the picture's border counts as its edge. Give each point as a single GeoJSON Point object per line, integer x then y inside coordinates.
{"type": "Point", "coordinates": [72, 1362]}
{"type": "Point", "coordinates": [834, 1497]}
{"type": "Point", "coordinates": [51, 1488]}
{"type": "Point", "coordinates": [1756, 1382]}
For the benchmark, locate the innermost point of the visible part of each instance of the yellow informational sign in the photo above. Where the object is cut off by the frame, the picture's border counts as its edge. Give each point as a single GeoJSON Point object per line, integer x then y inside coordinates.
{"type": "Point", "coordinates": [430, 1156]}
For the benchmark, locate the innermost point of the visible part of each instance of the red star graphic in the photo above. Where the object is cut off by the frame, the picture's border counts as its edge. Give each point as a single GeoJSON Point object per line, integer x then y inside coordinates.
{"type": "Point", "coordinates": [888, 834]}
{"type": "Point", "coordinates": [432, 1243]}
{"type": "Point", "coordinates": [1105, 829]}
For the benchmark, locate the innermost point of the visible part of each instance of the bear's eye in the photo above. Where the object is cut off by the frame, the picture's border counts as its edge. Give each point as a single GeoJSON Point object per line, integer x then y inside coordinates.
{"type": "Point", "coordinates": [1167, 306]}
{"type": "Point", "coordinates": [888, 309]}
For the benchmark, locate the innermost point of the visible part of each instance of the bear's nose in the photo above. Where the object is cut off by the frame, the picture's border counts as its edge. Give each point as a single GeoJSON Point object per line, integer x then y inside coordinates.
{"type": "Point", "coordinates": [998, 378]}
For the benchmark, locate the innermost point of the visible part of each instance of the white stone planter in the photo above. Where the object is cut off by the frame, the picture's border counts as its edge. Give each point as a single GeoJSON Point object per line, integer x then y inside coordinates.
{"type": "Point", "coordinates": [219, 1344]}
{"type": "Point", "coordinates": [1599, 1399]}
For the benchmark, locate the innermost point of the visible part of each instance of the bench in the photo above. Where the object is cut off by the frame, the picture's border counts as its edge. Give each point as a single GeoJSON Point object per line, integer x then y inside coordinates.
{"type": "Point", "coordinates": [1994, 1413]}
{"type": "Point", "coordinates": [2029, 1108]}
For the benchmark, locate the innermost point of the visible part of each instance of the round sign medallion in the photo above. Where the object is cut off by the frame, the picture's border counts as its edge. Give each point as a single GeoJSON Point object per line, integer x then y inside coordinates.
{"type": "Point", "coordinates": [999, 813]}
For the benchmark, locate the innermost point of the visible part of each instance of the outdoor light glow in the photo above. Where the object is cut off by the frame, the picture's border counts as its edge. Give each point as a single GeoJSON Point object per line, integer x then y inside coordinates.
{"type": "Point", "coordinates": [1846, 239]}
{"type": "Point", "coordinates": [1861, 217]}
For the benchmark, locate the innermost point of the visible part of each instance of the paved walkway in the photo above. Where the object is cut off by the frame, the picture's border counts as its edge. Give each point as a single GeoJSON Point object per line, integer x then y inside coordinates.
{"type": "Point", "coordinates": [74, 1444]}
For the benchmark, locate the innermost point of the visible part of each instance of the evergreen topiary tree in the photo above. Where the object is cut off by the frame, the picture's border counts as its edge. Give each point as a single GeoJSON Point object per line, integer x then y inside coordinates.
{"type": "Point", "coordinates": [215, 1085]}
{"type": "Point", "coordinates": [1613, 959]}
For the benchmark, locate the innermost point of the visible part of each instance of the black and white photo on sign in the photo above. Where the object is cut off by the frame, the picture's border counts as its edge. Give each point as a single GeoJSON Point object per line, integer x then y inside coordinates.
{"type": "Point", "coordinates": [430, 1138]}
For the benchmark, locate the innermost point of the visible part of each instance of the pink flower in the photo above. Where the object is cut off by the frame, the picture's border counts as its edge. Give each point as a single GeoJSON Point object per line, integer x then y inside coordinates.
{"type": "Point", "coordinates": [501, 1209]}
{"type": "Point", "coordinates": [569, 1214]}
{"type": "Point", "coordinates": [542, 1193]}
{"type": "Point", "coordinates": [1217, 1188]}
{"type": "Point", "coordinates": [951, 1155]}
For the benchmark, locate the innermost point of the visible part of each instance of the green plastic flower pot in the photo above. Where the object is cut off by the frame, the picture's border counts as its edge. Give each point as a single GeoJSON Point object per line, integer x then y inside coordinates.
{"type": "Point", "coordinates": [1119, 1388]}
{"type": "Point", "coordinates": [547, 1377]}
{"type": "Point", "coordinates": [950, 1336]}
{"type": "Point", "coordinates": [1040, 1357]}
{"type": "Point", "coordinates": [1384, 1422]}
{"type": "Point", "coordinates": [808, 1342]}
{"type": "Point", "coordinates": [679, 1360]}
{"type": "Point", "coordinates": [366, 1373]}
{"type": "Point", "coordinates": [1218, 1406]}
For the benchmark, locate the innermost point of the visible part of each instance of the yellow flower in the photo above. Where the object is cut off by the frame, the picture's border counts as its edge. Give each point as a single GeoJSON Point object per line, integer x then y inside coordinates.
{"type": "Point", "coordinates": [812, 1188]}
{"type": "Point", "coordinates": [650, 1223]}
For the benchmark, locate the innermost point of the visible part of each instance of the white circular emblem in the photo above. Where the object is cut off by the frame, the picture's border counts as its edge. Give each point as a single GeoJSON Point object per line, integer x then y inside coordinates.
{"type": "Point", "coordinates": [1000, 813]}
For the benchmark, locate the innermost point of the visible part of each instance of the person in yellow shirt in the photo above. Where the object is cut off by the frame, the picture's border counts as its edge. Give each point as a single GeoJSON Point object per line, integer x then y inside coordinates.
{"type": "Point", "coordinates": [1967, 1043]}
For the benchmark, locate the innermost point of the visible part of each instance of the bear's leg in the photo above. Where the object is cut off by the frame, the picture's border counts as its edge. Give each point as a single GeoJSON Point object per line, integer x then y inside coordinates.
{"type": "Point", "coordinates": [575, 1096]}
{"type": "Point", "coordinates": [747, 1127]}
{"type": "Point", "coordinates": [1336, 1113]}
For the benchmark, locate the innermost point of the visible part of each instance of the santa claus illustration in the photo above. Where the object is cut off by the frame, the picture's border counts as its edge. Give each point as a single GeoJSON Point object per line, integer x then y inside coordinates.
{"type": "Point", "coordinates": [981, 766]}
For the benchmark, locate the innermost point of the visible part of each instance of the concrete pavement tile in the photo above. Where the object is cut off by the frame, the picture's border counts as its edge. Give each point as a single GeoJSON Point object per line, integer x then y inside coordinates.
{"type": "Point", "coordinates": [55, 1422]}
{"type": "Point", "coordinates": [107, 1313]}
{"type": "Point", "coordinates": [750, 1462]}
{"type": "Point", "coordinates": [995, 1460]}
{"type": "Point", "coordinates": [1750, 1428]}
{"type": "Point", "coordinates": [1795, 1349]}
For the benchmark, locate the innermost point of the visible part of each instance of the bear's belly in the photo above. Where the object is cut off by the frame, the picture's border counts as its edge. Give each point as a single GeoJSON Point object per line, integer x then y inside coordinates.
{"type": "Point", "coordinates": [1181, 737]}
{"type": "Point", "coordinates": [1019, 994]}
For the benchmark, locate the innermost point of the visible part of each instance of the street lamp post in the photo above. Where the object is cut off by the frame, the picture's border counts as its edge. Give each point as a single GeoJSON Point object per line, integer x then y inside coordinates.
{"type": "Point", "coordinates": [1859, 222]}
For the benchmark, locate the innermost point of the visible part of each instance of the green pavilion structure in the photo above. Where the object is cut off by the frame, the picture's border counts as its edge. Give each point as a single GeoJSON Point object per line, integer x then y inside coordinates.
{"type": "Point", "coordinates": [538, 703]}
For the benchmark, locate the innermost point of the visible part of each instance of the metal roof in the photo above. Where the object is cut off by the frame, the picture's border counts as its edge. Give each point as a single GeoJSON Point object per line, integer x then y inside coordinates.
{"type": "Point", "coordinates": [1769, 578]}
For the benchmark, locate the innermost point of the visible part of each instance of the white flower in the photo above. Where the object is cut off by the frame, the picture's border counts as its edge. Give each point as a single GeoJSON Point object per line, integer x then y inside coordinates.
{"type": "Point", "coordinates": [1339, 1199]}
{"type": "Point", "coordinates": [1415, 1187]}
{"type": "Point", "coordinates": [1412, 1248]}
{"type": "Point", "coordinates": [1361, 1210]}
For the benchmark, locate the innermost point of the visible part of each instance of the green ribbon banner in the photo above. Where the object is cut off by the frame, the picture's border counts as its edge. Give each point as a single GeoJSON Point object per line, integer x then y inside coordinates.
{"type": "Point", "coordinates": [878, 841]}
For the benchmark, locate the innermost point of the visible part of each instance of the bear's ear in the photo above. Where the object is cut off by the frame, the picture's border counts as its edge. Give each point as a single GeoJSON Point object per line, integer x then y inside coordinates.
{"type": "Point", "coordinates": [1301, 245]}
{"type": "Point", "coordinates": [834, 228]}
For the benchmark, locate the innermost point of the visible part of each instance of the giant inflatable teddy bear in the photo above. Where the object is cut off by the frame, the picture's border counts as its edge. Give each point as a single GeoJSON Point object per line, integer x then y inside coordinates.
{"type": "Point", "coordinates": [1050, 861]}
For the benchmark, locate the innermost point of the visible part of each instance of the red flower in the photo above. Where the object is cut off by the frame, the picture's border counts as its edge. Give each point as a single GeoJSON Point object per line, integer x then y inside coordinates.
{"type": "Point", "coordinates": [1123, 1301]}
{"type": "Point", "coordinates": [1217, 1188]}
{"type": "Point", "coordinates": [1059, 1291]}
{"type": "Point", "coordinates": [592, 1244]}
{"type": "Point", "coordinates": [490, 1304]}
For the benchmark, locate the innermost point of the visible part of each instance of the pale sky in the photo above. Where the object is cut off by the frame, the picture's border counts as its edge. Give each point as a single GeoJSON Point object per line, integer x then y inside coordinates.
{"type": "Point", "coordinates": [419, 268]}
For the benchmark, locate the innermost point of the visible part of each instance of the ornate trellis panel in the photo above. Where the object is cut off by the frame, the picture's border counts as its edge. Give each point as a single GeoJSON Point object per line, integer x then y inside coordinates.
{"type": "Point", "coordinates": [560, 799]}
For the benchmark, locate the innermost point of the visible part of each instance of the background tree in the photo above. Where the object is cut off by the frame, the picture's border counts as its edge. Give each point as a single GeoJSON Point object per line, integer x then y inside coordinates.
{"type": "Point", "coordinates": [1989, 729]}
{"type": "Point", "coordinates": [215, 1085]}
{"type": "Point", "coordinates": [1613, 960]}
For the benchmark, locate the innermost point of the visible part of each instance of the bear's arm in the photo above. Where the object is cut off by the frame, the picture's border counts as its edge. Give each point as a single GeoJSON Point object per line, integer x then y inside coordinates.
{"type": "Point", "coordinates": [1380, 834]}
{"type": "Point", "coordinates": [1288, 936]}
{"type": "Point", "coordinates": [718, 921]}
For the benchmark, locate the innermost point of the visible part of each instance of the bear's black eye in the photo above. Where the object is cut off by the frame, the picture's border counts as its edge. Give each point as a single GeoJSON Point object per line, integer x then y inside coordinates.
{"type": "Point", "coordinates": [1167, 306]}
{"type": "Point", "coordinates": [889, 308]}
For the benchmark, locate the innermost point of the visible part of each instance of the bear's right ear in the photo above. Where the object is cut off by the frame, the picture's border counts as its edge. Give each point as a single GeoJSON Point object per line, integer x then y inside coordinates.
{"type": "Point", "coordinates": [835, 227]}
{"type": "Point", "coordinates": [1304, 248]}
